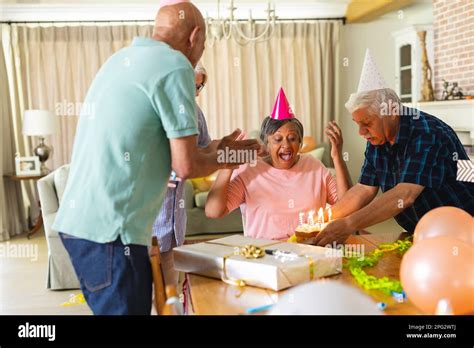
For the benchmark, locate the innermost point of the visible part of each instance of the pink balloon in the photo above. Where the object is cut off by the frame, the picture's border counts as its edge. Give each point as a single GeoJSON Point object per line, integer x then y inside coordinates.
{"type": "Point", "coordinates": [445, 221]}
{"type": "Point", "coordinates": [439, 268]}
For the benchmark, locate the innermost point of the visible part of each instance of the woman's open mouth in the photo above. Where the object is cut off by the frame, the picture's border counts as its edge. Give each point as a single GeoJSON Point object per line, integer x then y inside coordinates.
{"type": "Point", "coordinates": [285, 155]}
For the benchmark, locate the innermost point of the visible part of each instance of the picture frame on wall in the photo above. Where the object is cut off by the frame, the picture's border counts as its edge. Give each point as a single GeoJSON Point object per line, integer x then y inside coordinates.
{"type": "Point", "coordinates": [27, 166]}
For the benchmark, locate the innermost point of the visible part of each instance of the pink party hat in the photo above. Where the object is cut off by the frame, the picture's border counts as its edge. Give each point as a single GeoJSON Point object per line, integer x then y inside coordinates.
{"type": "Point", "coordinates": [281, 109]}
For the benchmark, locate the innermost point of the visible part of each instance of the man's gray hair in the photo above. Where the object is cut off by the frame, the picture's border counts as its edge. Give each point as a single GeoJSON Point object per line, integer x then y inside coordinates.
{"type": "Point", "coordinates": [199, 69]}
{"type": "Point", "coordinates": [375, 101]}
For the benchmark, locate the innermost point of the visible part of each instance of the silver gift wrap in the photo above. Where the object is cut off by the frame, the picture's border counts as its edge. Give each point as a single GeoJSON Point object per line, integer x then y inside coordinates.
{"type": "Point", "coordinates": [306, 262]}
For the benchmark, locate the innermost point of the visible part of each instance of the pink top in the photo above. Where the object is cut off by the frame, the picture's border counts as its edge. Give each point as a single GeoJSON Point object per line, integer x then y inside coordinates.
{"type": "Point", "coordinates": [271, 198]}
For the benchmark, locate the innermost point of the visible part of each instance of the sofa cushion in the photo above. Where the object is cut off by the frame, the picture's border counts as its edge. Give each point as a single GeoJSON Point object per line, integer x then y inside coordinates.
{"type": "Point", "coordinates": [317, 153]}
{"type": "Point", "coordinates": [201, 184]}
{"type": "Point", "coordinates": [60, 180]}
{"type": "Point", "coordinates": [200, 199]}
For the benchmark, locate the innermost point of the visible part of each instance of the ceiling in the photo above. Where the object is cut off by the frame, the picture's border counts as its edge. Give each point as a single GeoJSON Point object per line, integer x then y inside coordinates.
{"type": "Point", "coordinates": [109, 10]}
{"type": "Point", "coordinates": [49, 10]}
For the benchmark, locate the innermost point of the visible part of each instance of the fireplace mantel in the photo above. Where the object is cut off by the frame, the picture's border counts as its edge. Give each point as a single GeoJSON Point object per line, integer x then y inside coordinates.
{"type": "Point", "coordinates": [458, 114]}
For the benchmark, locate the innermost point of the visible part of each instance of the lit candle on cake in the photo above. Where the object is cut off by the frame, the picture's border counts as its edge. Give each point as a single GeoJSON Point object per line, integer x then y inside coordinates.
{"type": "Point", "coordinates": [329, 214]}
{"type": "Point", "coordinates": [301, 219]}
{"type": "Point", "coordinates": [311, 228]}
{"type": "Point", "coordinates": [310, 218]}
{"type": "Point", "coordinates": [320, 218]}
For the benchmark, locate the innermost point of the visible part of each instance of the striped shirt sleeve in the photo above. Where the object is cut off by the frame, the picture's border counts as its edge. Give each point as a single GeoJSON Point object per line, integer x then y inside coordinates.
{"type": "Point", "coordinates": [235, 192]}
{"type": "Point", "coordinates": [331, 188]}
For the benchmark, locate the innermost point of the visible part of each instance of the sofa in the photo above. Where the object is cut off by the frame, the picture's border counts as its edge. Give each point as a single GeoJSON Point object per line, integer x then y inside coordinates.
{"type": "Point", "coordinates": [198, 223]}
{"type": "Point", "coordinates": [60, 273]}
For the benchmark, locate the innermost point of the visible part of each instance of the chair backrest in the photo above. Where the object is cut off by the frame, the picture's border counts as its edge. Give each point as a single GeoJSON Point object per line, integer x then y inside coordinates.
{"type": "Point", "coordinates": [51, 189]}
{"type": "Point", "coordinates": [158, 280]}
{"type": "Point", "coordinates": [170, 307]}
{"type": "Point", "coordinates": [60, 180]}
{"type": "Point", "coordinates": [163, 292]}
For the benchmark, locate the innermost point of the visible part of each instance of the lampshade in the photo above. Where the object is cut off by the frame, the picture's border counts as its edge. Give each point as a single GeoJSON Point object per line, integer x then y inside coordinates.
{"type": "Point", "coordinates": [40, 122]}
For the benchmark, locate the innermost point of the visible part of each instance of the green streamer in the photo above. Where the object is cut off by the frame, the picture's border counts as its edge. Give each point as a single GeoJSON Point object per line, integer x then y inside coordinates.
{"type": "Point", "coordinates": [355, 264]}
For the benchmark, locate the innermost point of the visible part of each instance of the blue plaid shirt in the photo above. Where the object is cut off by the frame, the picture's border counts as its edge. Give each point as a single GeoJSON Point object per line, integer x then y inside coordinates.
{"type": "Point", "coordinates": [171, 220]}
{"type": "Point", "coordinates": [425, 152]}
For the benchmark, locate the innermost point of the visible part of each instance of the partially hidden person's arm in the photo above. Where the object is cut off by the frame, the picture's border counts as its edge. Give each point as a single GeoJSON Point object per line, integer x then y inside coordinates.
{"type": "Point", "coordinates": [216, 204]}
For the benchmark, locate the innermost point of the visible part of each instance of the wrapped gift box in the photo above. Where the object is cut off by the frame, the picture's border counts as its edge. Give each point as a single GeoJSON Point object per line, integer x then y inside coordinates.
{"type": "Point", "coordinates": [223, 259]}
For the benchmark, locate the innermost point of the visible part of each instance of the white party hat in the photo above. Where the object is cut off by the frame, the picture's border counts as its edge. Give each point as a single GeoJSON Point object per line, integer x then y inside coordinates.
{"type": "Point", "coordinates": [370, 78]}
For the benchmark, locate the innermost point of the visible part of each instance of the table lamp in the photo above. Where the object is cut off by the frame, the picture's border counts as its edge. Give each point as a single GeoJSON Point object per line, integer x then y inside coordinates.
{"type": "Point", "coordinates": [40, 123]}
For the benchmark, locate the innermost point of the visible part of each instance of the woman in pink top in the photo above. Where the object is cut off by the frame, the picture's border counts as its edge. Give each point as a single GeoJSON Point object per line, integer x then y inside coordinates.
{"type": "Point", "coordinates": [272, 191]}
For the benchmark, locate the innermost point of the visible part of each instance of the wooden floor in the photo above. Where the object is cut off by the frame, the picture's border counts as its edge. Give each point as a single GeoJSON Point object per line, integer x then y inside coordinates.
{"type": "Point", "coordinates": [23, 279]}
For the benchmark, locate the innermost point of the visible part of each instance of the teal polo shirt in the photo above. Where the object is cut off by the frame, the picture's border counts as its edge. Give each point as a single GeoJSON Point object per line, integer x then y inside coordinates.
{"type": "Point", "coordinates": [141, 97]}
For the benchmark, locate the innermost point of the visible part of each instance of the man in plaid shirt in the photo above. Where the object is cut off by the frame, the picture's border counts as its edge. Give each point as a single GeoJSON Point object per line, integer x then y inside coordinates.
{"type": "Point", "coordinates": [411, 156]}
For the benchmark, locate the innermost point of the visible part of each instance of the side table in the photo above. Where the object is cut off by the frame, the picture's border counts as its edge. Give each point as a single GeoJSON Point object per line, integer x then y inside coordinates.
{"type": "Point", "coordinates": [14, 177]}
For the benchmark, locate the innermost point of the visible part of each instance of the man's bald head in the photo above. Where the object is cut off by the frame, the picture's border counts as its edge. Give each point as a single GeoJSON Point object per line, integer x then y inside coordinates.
{"type": "Point", "coordinates": [182, 27]}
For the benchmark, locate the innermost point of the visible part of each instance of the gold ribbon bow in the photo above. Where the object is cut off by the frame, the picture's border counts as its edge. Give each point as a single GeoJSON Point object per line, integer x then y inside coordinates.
{"type": "Point", "coordinates": [247, 251]}
{"type": "Point", "coordinates": [250, 252]}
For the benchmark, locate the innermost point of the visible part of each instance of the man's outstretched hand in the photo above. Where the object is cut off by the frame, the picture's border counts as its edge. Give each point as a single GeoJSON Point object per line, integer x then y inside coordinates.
{"type": "Point", "coordinates": [337, 231]}
{"type": "Point", "coordinates": [246, 149]}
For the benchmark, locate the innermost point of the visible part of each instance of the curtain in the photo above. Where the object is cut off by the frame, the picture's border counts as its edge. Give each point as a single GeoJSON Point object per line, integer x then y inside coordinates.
{"type": "Point", "coordinates": [55, 65]}
{"type": "Point", "coordinates": [12, 217]}
{"type": "Point", "coordinates": [301, 56]}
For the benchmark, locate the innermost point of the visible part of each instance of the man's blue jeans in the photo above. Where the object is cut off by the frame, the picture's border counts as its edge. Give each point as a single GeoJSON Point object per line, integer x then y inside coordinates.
{"type": "Point", "coordinates": [116, 279]}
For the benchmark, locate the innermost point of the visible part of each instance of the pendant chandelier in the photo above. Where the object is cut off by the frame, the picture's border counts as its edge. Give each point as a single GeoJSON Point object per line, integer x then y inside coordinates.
{"type": "Point", "coordinates": [242, 32]}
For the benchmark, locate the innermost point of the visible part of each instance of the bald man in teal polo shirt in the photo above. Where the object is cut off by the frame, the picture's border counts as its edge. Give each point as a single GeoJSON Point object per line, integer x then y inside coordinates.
{"type": "Point", "coordinates": [143, 125]}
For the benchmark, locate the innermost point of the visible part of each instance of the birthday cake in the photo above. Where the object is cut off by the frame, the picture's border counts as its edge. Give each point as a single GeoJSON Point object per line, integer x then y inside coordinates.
{"type": "Point", "coordinates": [310, 228]}
{"type": "Point", "coordinates": [308, 231]}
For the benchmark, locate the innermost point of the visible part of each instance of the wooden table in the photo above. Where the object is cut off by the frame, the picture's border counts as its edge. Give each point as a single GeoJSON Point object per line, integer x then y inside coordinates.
{"type": "Point", "coordinates": [213, 297]}
{"type": "Point", "coordinates": [39, 222]}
